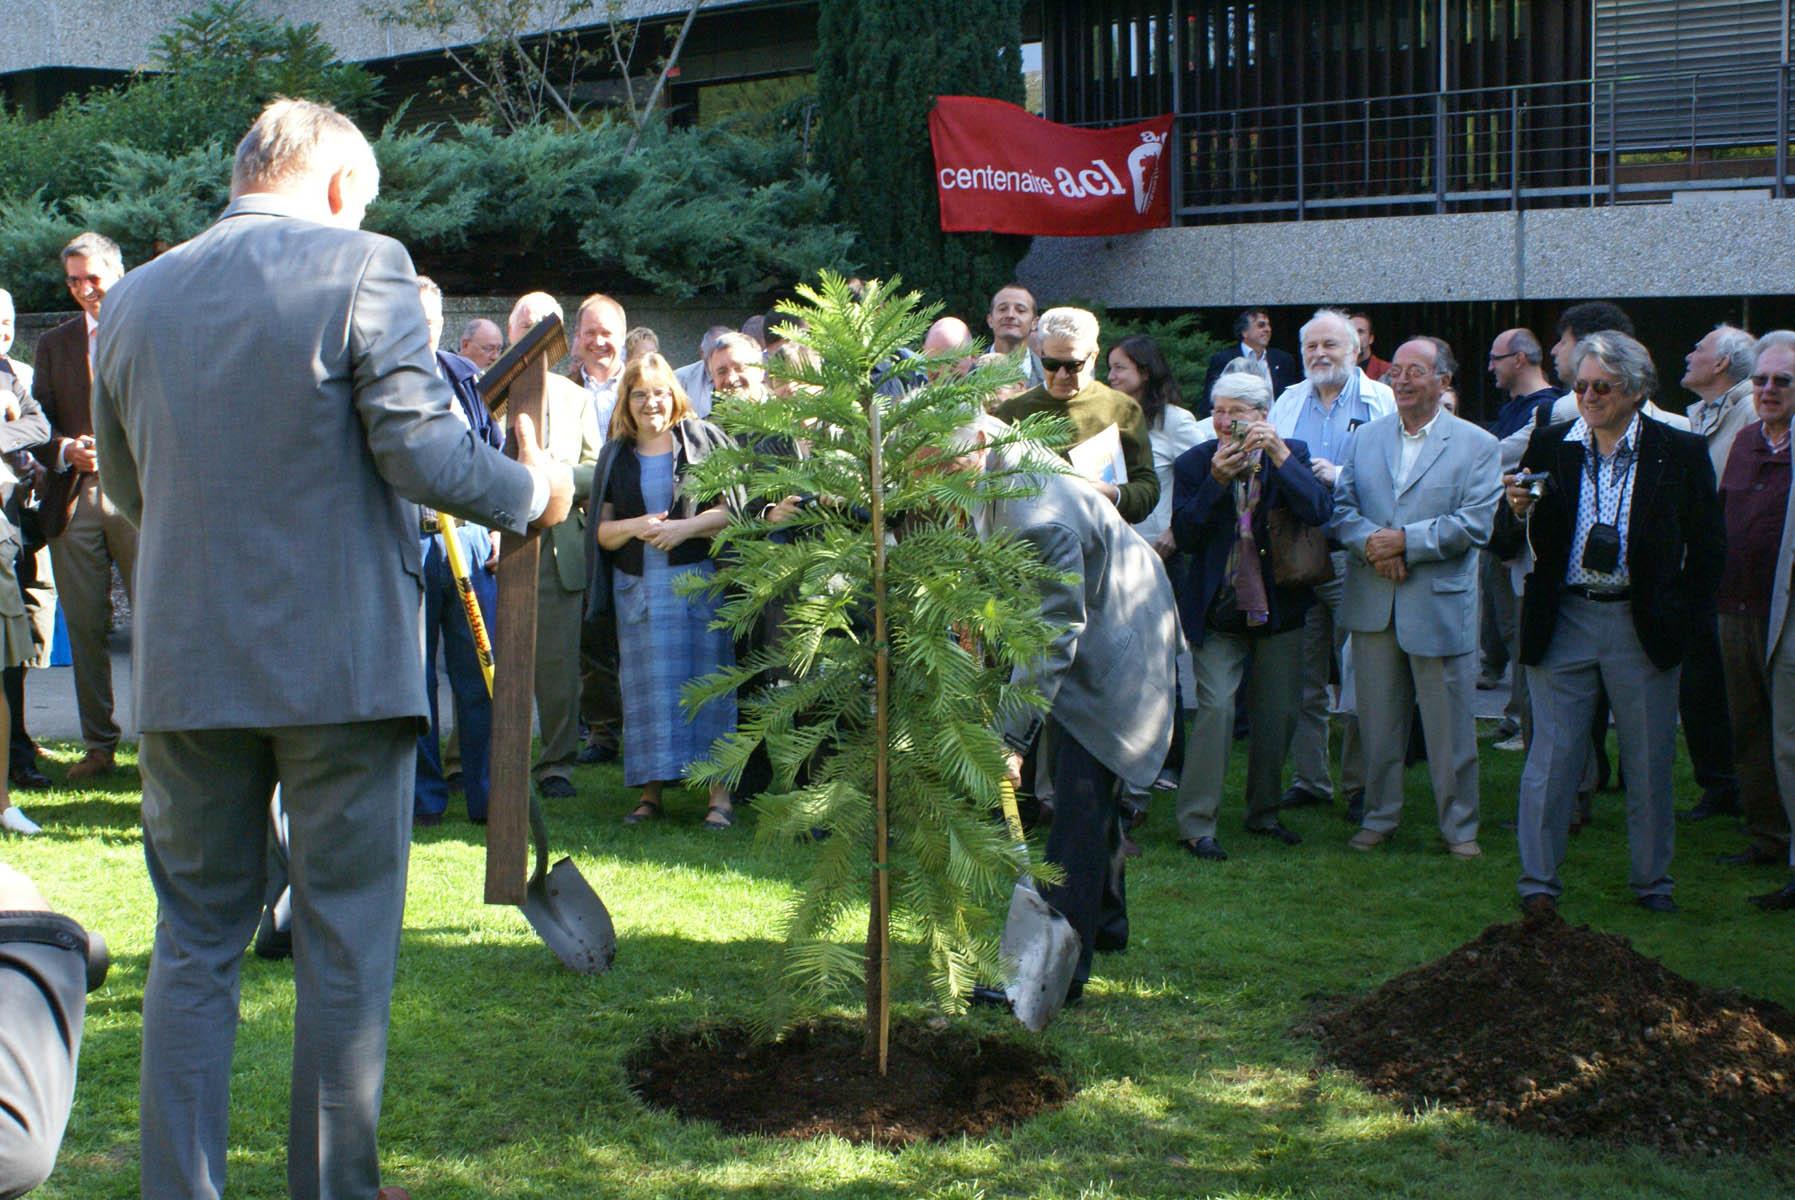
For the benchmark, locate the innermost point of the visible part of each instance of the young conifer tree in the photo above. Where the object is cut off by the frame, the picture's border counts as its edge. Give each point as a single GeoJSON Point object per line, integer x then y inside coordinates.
{"type": "Point", "coordinates": [898, 632]}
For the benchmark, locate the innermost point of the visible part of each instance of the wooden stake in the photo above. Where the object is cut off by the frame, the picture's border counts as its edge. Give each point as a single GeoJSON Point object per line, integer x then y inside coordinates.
{"type": "Point", "coordinates": [878, 941]}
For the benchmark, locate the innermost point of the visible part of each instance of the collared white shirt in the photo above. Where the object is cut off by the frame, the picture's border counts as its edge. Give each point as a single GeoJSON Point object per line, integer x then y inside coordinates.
{"type": "Point", "coordinates": [1250, 354]}
{"type": "Point", "coordinates": [1605, 494]}
{"type": "Point", "coordinates": [604, 400]}
{"type": "Point", "coordinates": [1410, 447]}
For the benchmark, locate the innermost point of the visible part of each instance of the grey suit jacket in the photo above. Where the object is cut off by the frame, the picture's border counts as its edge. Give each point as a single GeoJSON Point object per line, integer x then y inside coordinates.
{"type": "Point", "coordinates": [1445, 509]}
{"type": "Point", "coordinates": [1779, 593]}
{"type": "Point", "coordinates": [1109, 674]}
{"type": "Point", "coordinates": [43, 1005]}
{"type": "Point", "coordinates": [267, 409]}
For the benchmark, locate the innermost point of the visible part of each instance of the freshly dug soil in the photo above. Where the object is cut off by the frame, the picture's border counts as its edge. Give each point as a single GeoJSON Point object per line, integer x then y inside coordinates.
{"type": "Point", "coordinates": [815, 1081]}
{"type": "Point", "coordinates": [1573, 1033]}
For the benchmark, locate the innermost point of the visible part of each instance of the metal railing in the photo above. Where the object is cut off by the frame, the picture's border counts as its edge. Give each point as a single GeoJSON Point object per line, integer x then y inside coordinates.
{"type": "Point", "coordinates": [1612, 140]}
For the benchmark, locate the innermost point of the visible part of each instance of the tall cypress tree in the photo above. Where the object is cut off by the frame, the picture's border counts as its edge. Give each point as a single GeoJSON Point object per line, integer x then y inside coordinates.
{"type": "Point", "coordinates": [879, 65]}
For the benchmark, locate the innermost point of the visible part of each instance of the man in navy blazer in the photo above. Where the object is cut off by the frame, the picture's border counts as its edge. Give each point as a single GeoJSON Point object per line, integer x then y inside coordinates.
{"type": "Point", "coordinates": [1415, 499]}
{"type": "Point", "coordinates": [1252, 340]}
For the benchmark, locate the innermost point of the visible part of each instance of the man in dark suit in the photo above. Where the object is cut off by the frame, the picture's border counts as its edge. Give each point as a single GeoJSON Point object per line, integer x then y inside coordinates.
{"type": "Point", "coordinates": [1628, 546]}
{"type": "Point", "coordinates": [268, 654]}
{"type": "Point", "coordinates": [87, 534]}
{"type": "Point", "coordinates": [1252, 333]}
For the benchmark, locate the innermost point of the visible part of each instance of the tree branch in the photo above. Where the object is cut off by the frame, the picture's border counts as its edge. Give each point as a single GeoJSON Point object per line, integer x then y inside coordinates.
{"type": "Point", "coordinates": [661, 82]}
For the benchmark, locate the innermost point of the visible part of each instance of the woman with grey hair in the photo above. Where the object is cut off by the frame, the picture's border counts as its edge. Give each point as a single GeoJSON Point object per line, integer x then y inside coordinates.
{"type": "Point", "coordinates": [1622, 515]}
{"type": "Point", "coordinates": [1223, 495]}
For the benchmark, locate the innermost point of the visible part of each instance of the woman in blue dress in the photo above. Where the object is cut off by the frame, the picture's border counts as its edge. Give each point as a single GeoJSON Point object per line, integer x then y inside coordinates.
{"type": "Point", "coordinates": [652, 534]}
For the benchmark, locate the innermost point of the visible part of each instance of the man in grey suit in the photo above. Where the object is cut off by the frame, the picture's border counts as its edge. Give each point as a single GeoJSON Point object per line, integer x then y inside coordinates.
{"type": "Point", "coordinates": [230, 434]}
{"type": "Point", "coordinates": [1117, 642]}
{"type": "Point", "coordinates": [1415, 499]}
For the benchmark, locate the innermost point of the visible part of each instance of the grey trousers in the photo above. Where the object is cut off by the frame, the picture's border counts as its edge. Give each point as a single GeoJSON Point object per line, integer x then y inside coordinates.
{"type": "Point", "coordinates": [1753, 723]}
{"type": "Point", "coordinates": [1782, 720]}
{"type": "Point", "coordinates": [1323, 640]}
{"type": "Point", "coordinates": [346, 790]}
{"type": "Point", "coordinates": [1390, 684]}
{"type": "Point", "coordinates": [1594, 646]}
{"type": "Point", "coordinates": [97, 536]}
{"type": "Point", "coordinates": [557, 672]}
{"type": "Point", "coordinates": [1272, 698]}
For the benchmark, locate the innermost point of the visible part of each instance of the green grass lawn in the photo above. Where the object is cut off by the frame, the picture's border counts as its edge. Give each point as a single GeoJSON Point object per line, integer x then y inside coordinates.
{"type": "Point", "coordinates": [505, 1076]}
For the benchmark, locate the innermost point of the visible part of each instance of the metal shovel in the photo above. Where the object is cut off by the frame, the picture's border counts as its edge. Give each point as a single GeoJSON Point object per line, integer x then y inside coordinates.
{"type": "Point", "coordinates": [558, 903]}
{"type": "Point", "coordinates": [1039, 946]}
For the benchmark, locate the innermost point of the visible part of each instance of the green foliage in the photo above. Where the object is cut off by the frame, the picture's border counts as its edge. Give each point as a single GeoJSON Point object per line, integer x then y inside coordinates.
{"type": "Point", "coordinates": [1183, 341]}
{"type": "Point", "coordinates": [950, 861]}
{"type": "Point", "coordinates": [685, 211]}
{"type": "Point", "coordinates": [879, 65]}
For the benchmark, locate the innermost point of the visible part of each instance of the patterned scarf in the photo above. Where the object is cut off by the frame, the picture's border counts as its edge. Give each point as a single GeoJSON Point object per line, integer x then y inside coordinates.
{"type": "Point", "coordinates": [1249, 583]}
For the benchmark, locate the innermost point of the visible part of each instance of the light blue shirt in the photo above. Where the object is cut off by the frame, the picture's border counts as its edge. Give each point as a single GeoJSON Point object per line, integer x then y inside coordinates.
{"type": "Point", "coordinates": [1328, 432]}
{"type": "Point", "coordinates": [1605, 493]}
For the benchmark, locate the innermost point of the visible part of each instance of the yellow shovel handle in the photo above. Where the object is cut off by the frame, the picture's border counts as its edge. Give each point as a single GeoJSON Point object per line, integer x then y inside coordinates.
{"type": "Point", "coordinates": [470, 604]}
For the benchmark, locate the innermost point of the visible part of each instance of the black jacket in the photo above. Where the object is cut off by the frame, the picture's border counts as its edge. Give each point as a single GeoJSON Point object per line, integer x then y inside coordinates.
{"type": "Point", "coordinates": [1676, 537]}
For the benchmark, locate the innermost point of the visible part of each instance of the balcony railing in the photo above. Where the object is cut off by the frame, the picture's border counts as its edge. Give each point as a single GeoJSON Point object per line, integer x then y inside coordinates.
{"type": "Point", "coordinates": [1618, 140]}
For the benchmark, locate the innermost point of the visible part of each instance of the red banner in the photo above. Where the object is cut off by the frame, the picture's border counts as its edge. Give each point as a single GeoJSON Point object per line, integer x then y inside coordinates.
{"type": "Point", "coordinates": [1001, 169]}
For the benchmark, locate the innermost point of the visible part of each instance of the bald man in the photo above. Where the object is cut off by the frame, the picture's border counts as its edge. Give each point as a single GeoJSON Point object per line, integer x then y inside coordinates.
{"type": "Point", "coordinates": [482, 342]}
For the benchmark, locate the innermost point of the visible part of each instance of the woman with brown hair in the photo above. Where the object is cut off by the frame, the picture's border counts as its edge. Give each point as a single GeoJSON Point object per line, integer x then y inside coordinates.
{"type": "Point", "coordinates": [651, 533]}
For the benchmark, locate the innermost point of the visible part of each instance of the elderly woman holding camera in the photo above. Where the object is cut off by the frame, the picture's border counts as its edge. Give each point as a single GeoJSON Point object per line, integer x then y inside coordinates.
{"type": "Point", "coordinates": [1628, 544]}
{"type": "Point", "coordinates": [1224, 497]}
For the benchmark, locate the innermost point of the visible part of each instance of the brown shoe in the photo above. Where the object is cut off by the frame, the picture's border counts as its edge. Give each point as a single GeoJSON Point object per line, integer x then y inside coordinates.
{"type": "Point", "coordinates": [1367, 839]}
{"type": "Point", "coordinates": [92, 765]}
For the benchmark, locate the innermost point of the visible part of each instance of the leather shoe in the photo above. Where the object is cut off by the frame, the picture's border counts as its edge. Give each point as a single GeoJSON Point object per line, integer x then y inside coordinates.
{"type": "Point", "coordinates": [1539, 906]}
{"type": "Point", "coordinates": [1367, 839]}
{"type": "Point", "coordinates": [1464, 849]}
{"type": "Point", "coordinates": [1781, 900]}
{"type": "Point", "coordinates": [272, 942]}
{"type": "Point", "coordinates": [1713, 804]}
{"type": "Point", "coordinates": [28, 777]}
{"type": "Point", "coordinates": [1297, 796]}
{"type": "Point", "coordinates": [1355, 807]}
{"type": "Point", "coordinates": [1289, 837]}
{"type": "Point", "coordinates": [93, 764]}
{"type": "Point", "coordinates": [553, 787]}
{"type": "Point", "coordinates": [1657, 903]}
{"type": "Point", "coordinates": [426, 820]}
{"type": "Point", "coordinates": [1130, 847]}
{"type": "Point", "coordinates": [1205, 847]}
{"type": "Point", "coordinates": [592, 753]}
{"type": "Point", "coordinates": [1753, 855]}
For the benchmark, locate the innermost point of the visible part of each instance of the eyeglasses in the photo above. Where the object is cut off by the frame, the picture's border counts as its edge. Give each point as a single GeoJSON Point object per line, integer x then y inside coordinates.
{"type": "Point", "coordinates": [1053, 366]}
{"type": "Point", "coordinates": [1600, 387]}
{"type": "Point", "coordinates": [1496, 358]}
{"type": "Point", "coordinates": [1408, 372]}
{"type": "Point", "coordinates": [639, 395]}
{"type": "Point", "coordinates": [76, 281]}
{"type": "Point", "coordinates": [1778, 382]}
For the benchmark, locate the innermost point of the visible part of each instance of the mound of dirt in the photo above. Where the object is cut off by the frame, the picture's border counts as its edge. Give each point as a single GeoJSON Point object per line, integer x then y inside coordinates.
{"type": "Point", "coordinates": [1573, 1033]}
{"type": "Point", "coordinates": [815, 1081]}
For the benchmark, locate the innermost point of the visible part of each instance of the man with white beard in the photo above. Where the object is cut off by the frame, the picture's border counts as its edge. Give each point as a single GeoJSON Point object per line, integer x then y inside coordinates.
{"type": "Point", "coordinates": [1324, 411]}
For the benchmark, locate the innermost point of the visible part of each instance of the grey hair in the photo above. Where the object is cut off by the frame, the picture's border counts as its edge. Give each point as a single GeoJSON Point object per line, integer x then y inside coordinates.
{"type": "Point", "coordinates": [95, 246]}
{"type": "Point", "coordinates": [1248, 366]}
{"type": "Point", "coordinates": [1776, 337]}
{"type": "Point", "coordinates": [1523, 343]}
{"type": "Point", "coordinates": [6, 301]}
{"type": "Point", "coordinates": [708, 342]}
{"type": "Point", "coordinates": [473, 327]}
{"type": "Point", "coordinates": [535, 306]}
{"type": "Point", "coordinates": [429, 287]}
{"type": "Point", "coordinates": [1445, 363]}
{"type": "Point", "coordinates": [1249, 386]}
{"type": "Point", "coordinates": [1622, 357]}
{"type": "Point", "coordinates": [741, 343]}
{"type": "Point", "coordinates": [1331, 314]}
{"type": "Point", "coordinates": [1075, 324]}
{"type": "Point", "coordinates": [1738, 348]}
{"type": "Point", "coordinates": [293, 139]}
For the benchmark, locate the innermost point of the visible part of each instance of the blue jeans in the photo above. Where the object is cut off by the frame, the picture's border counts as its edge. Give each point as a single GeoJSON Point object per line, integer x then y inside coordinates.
{"type": "Point", "coordinates": [473, 707]}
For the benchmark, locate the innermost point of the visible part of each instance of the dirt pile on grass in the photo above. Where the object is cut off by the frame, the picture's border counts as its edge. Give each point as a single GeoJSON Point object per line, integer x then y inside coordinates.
{"type": "Point", "coordinates": [815, 1081]}
{"type": "Point", "coordinates": [1573, 1033]}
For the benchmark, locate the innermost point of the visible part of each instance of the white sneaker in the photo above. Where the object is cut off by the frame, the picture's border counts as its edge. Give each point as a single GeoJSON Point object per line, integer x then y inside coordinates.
{"type": "Point", "coordinates": [18, 822]}
{"type": "Point", "coordinates": [1514, 743]}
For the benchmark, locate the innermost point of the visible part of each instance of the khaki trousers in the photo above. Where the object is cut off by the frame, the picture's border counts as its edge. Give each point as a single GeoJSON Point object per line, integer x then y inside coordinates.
{"type": "Point", "coordinates": [97, 536]}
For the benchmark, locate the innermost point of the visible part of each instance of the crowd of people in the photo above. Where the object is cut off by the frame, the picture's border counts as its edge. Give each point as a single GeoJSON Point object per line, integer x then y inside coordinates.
{"type": "Point", "coordinates": [1315, 543]}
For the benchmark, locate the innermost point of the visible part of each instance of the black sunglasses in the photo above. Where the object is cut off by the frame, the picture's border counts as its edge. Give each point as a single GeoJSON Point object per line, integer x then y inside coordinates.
{"type": "Point", "coordinates": [1781, 382]}
{"type": "Point", "coordinates": [1050, 366]}
{"type": "Point", "coordinates": [1600, 387]}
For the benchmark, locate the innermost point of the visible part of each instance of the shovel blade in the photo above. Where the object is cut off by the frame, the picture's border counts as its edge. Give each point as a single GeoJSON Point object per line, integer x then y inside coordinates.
{"type": "Point", "coordinates": [568, 915]}
{"type": "Point", "coordinates": [1040, 948]}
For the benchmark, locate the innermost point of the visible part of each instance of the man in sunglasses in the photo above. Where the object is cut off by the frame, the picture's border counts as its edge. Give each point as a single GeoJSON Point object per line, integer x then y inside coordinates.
{"type": "Point", "coordinates": [87, 534]}
{"type": "Point", "coordinates": [1071, 390]}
